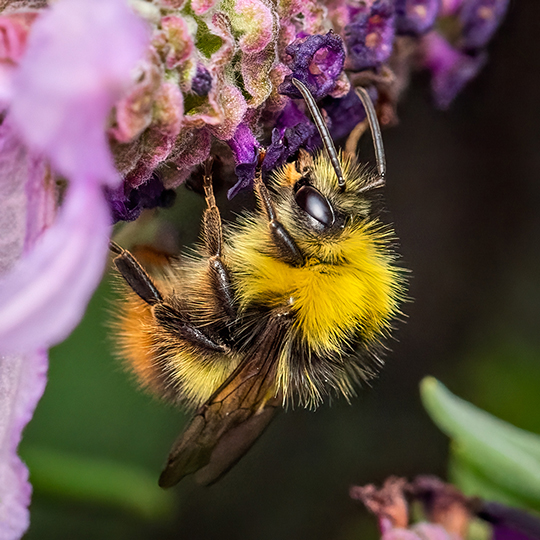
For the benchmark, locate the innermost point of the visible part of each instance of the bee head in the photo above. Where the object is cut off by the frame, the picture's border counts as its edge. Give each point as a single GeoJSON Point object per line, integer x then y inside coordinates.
{"type": "Point", "coordinates": [330, 190]}
{"type": "Point", "coordinates": [311, 201]}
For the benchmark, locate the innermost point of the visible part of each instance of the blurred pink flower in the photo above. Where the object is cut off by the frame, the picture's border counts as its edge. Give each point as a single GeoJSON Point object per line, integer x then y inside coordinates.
{"type": "Point", "coordinates": [77, 62]}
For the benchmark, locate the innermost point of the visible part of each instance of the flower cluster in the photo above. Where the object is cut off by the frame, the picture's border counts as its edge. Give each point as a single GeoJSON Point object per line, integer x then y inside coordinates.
{"type": "Point", "coordinates": [106, 107]}
{"type": "Point", "coordinates": [447, 513]}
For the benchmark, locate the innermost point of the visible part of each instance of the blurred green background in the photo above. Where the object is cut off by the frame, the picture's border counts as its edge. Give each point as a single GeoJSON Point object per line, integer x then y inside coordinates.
{"type": "Point", "coordinates": [464, 194]}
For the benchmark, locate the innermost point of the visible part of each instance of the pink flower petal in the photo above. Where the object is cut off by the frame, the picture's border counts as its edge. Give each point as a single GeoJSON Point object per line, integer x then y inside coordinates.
{"type": "Point", "coordinates": [232, 107]}
{"type": "Point", "coordinates": [255, 21]}
{"type": "Point", "coordinates": [178, 39]}
{"type": "Point", "coordinates": [42, 200]}
{"type": "Point", "coordinates": [402, 534]}
{"type": "Point", "coordinates": [14, 29]}
{"type": "Point", "coordinates": [22, 381]}
{"type": "Point", "coordinates": [13, 174]}
{"type": "Point", "coordinates": [256, 69]}
{"type": "Point", "coordinates": [45, 294]}
{"type": "Point", "coordinates": [432, 531]}
{"type": "Point", "coordinates": [27, 197]}
{"type": "Point", "coordinates": [25, 208]}
{"type": "Point", "coordinates": [200, 7]}
{"type": "Point", "coordinates": [78, 62]}
{"type": "Point", "coordinates": [134, 110]}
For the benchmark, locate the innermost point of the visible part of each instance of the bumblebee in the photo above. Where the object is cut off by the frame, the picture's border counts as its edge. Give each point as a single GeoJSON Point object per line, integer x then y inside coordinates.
{"type": "Point", "coordinates": [287, 305]}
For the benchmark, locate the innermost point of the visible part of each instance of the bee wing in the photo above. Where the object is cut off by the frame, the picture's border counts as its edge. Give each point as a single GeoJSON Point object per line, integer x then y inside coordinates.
{"type": "Point", "coordinates": [228, 424]}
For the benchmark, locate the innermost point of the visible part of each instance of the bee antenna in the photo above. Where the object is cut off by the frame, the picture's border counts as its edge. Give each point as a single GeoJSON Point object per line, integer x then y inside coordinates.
{"type": "Point", "coordinates": [323, 129]}
{"type": "Point", "coordinates": [375, 128]}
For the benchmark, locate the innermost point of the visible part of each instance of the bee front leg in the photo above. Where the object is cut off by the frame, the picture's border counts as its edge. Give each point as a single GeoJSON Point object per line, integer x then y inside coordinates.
{"type": "Point", "coordinates": [135, 275]}
{"type": "Point", "coordinates": [284, 242]}
{"type": "Point", "coordinates": [213, 242]}
{"type": "Point", "coordinates": [171, 318]}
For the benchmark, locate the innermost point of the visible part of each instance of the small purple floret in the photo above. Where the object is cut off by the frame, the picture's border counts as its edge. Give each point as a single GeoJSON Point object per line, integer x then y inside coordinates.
{"type": "Point", "coordinates": [416, 17]}
{"type": "Point", "coordinates": [451, 69]}
{"type": "Point", "coordinates": [480, 19]}
{"type": "Point", "coordinates": [370, 35]}
{"type": "Point", "coordinates": [151, 194]}
{"type": "Point", "coordinates": [345, 113]}
{"type": "Point", "coordinates": [317, 61]}
{"type": "Point", "coordinates": [202, 82]}
{"type": "Point", "coordinates": [293, 131]}
{"type": "Point", "coordinates": [245, 148]}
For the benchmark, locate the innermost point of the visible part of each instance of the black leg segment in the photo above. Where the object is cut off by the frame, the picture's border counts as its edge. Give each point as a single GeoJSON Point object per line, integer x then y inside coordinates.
{"type": "Point", "coordinates": [286, 246]}
{"type": "Point", "coordinates": [135, 275]}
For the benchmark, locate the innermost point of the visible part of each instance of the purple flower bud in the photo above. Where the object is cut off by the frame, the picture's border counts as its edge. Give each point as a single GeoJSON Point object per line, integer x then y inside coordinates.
{"type": "Point", "coordinates": [202, 82]}
{"type": "Point", "coordinates": [245, 148]}
{"type": "Point", "coordinates": [451, 69]}
{"type": "Point", "coordinates": [416, 17]}
{"type": "Point", "coordinates": [293, 131]}
{"type": "Point", "coordinates": [370, 35]}
{"type": "Point", "coordinates": [480, 19]}
{"type": "Point", "coordinates": [152, 194]}
{"type": "Point", "coordinates": [317, 61]}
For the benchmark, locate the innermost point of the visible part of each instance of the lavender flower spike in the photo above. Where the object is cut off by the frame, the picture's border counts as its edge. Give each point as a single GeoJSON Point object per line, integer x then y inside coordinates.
{"type": "Point", "coordinates": [294, 130]}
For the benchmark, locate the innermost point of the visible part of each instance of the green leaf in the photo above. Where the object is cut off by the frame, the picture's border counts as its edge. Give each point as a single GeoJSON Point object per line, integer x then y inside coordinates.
{"type": "Point", "coordinates": [490, 458]}
{"type": "Point", "coordinates": [206, 42]}
{"type": "Point", "coordinates": [473, 482]}
{"type": "Point", "coordinates": [103, 482]}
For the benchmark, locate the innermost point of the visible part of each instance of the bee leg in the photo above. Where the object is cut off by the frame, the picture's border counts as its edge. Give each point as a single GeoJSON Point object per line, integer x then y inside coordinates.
{"type": "Point", "coordinates": [178, 324]}
{"type": "Point", "coordinates": [287, 248]}
{"type": "Point", "coordinates": [168, 316]}
{"type": "Point", "coordinates": [213, 242]}
{"type": "Point", "coordinates": [135, 275]}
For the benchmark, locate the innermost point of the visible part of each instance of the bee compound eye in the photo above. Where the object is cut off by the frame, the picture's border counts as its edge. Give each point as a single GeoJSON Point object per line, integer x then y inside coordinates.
{"type": "Point", "coordinates": [315, 204]}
